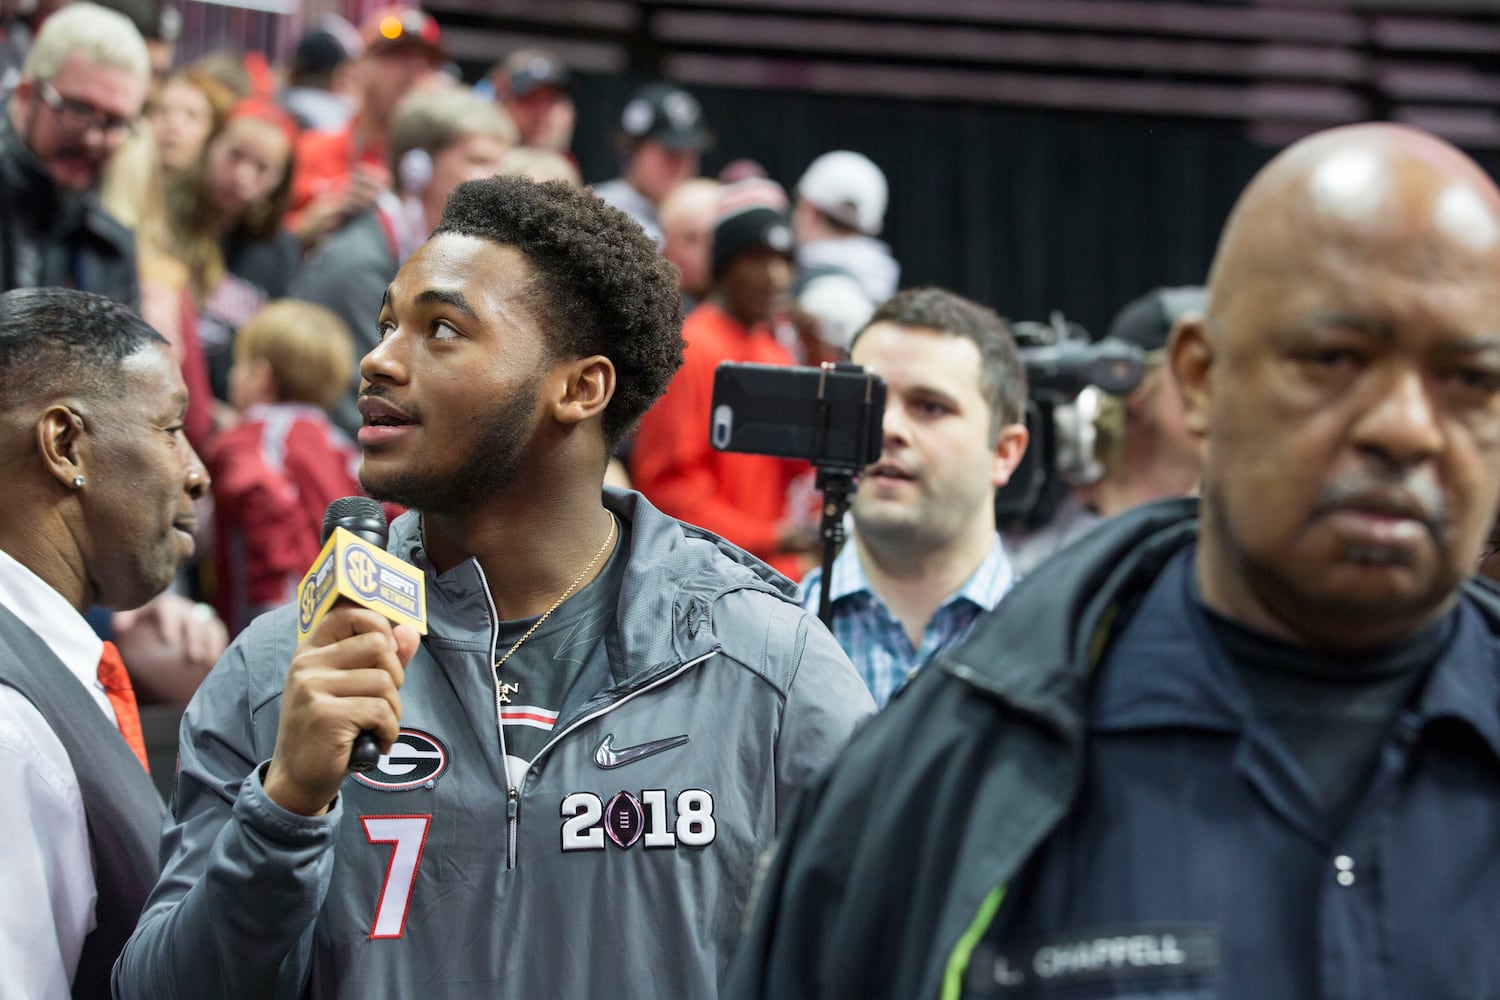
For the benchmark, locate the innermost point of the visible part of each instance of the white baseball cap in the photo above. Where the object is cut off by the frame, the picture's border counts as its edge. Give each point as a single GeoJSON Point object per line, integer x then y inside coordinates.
{"type": "Point", "coordinates": [847, 187]}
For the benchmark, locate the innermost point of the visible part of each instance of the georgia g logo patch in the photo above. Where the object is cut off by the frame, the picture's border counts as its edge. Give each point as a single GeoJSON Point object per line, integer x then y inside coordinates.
{"type": "Point", "coordinates": [416, 758]}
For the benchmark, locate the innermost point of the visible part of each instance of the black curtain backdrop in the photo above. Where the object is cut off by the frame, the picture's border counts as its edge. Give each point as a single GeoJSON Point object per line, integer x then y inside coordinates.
{"type": "Point", "coordinates": [1027, 211]}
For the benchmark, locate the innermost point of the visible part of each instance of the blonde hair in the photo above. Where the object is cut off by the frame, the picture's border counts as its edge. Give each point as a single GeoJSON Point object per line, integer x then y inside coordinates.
{"type": "Point", "coordinates": [695, 196]}
{"type": "Point", "coordinates": [434, 118]}
{"type": "Point", "coordinates": [540, 165]}
{"type": "Point", "coordinates": [1109, 424]}
{"type": "Point", "coordinates": [309, 349]}
{"type": "Point", "coordinates": [93, 33]}
{"type": "Point", "coordinates": [133, 192]}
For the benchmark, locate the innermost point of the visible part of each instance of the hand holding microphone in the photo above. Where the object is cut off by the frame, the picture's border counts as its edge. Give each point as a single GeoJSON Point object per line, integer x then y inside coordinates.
{"type": "Point", "coordinates": [361, 612]}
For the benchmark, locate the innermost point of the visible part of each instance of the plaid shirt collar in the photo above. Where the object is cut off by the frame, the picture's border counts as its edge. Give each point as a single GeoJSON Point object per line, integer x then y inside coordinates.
{"type": "Point", "coordinates": [984, 587]}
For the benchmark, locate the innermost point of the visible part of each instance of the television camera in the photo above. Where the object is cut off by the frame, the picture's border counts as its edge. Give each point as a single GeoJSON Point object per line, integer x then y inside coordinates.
{"type": "Point", "coordinates": [1066, 373]}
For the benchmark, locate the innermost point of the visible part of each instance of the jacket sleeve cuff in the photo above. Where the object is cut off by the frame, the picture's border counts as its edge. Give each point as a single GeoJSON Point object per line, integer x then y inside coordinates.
{"type": "Point", "coordinates": [255, 810]}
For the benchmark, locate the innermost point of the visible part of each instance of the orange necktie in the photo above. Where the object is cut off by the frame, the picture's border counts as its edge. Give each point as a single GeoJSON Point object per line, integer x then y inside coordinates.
{"type": "Point", "coordinates": [122, 698]}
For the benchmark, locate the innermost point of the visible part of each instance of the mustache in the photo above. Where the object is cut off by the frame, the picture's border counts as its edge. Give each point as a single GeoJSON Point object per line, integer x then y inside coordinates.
{"type": "Point", "coordinates": [96, 160]}
{"type": "Point", "coordinates": [1405, 493]}
{"type": "Point", "coordinates": [372, 391]}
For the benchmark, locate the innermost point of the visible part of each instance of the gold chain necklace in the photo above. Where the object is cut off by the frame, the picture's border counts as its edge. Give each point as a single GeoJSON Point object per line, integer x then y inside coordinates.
{"type": "Point", "coordinates": [506, 690]}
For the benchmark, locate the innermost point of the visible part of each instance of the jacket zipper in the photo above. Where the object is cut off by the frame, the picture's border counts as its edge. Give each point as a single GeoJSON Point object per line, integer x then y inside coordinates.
{"type": "Point", "coordinates": [512, 795]}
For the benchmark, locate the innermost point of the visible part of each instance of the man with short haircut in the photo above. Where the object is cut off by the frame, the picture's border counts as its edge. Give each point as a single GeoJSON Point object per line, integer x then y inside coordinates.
{"type": "Point", "coordinates": [660, 142]}
{"type": "Point", "coordinates": [924, 560]}
{"type": "Point", "coordinates": [1245, 747]}
{"type": "Point", "coordinates": [80, 94]}
{"type": "Point", "coordinates": [748, 499]}
{"type": "Point", "coordinates": [97, 510]}
{"type": "Point", "coordinates": [610, 712]}
{"type": "Point", "coordinates": [688, 215]}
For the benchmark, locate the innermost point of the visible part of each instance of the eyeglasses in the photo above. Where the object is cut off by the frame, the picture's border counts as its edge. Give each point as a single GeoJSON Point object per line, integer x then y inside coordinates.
{"type": "Point", "coordinates": [82, 114]}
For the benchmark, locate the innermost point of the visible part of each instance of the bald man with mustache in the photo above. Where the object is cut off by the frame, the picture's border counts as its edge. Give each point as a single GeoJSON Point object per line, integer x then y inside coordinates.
{"type": "Point", "coordinates": [1242, 747]}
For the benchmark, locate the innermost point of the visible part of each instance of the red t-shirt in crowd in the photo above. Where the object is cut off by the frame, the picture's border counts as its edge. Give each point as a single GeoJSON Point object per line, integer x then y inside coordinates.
{"type": "Point", "coordinates": [744, 498]}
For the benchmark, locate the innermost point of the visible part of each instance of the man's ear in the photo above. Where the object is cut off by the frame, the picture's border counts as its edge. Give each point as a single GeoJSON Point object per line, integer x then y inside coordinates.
{"type": "Point", "coordinates": [1009, 449]}
{"type": "Point", "coordinates": [60, 441]}
{"type": "Point", "coordinates": [1190, 360]}
{"type": "Point", "coordinates": [587, 386]}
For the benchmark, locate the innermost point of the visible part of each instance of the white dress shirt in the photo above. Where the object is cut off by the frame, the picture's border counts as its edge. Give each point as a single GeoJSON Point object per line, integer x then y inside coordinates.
{"type": "Point", "coordinates": [47, 888]}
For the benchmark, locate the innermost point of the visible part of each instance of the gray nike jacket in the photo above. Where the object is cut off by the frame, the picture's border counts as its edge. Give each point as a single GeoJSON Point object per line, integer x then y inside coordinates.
{"type": "Point", "coordinates": [619, 867]}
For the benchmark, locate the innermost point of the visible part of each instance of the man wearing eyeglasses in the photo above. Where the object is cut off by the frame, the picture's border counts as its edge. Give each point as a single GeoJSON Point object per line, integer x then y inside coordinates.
{"type": "Point", "coordinates": [80, 93]}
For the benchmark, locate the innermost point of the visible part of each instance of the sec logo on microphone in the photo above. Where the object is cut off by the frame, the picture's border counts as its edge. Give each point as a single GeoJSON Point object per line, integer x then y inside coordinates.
{"type": "Point", "coordinates": [307, 606]}
{"type": "Point", "coordinates": [362, 570]}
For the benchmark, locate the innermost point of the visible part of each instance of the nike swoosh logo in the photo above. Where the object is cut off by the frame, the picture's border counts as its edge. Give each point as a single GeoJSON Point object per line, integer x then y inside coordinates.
{"type": "Point", "coordinates": [607, 756]}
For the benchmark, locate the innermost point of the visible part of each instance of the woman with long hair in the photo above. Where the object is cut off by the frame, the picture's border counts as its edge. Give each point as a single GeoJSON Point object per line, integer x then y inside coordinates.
{"type": "Point", "coordinates": [226, 226]}
{"type": "Point", "coordinates": [185, 110]}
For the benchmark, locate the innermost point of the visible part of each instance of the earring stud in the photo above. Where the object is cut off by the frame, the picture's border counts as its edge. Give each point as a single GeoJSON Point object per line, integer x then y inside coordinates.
{"type": "Point", "coordinates": [78, 482]}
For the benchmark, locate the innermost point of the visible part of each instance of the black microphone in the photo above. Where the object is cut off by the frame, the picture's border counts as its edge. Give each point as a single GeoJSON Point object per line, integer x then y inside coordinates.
{"type": "Point", "coordinates": [360, 515]}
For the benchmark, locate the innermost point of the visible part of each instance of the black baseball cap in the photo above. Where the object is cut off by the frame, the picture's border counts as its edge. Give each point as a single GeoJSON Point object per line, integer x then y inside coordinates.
{"type": "Point", "coordinates": [1147, 321]}
{"type": "Point", "coordinates": [527, 69]}
{"type": "Point", "coordinates": [666, 114]}
{"type": "Point", "coordinates": [318, 51]}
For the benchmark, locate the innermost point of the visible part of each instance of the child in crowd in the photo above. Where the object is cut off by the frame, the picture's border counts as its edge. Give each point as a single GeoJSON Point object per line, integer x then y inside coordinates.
{"type": "Point", "coordinates": [275, 473]}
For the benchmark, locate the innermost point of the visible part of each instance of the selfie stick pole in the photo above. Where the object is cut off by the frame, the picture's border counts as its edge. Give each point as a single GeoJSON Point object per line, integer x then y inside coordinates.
{"type": "Point", "coordinates": [836, 484]}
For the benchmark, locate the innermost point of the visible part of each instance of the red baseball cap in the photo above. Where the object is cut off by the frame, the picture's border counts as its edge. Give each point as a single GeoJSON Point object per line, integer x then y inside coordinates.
{"type": "Point", "coordinates": [398, 27]}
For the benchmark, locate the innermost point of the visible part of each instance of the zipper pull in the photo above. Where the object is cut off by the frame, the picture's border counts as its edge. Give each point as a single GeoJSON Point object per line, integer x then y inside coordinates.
{"type": "Point", "coordinates": [512, 805]}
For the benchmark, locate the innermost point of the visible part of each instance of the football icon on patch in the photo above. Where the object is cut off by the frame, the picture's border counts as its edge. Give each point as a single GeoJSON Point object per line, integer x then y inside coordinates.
{"type": "Point", "coordinates": [416, 758]}
{"type": "Point", "coordinates": [624, 819]}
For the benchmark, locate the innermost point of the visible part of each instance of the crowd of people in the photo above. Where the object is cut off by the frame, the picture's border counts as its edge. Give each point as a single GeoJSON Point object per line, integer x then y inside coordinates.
{"type": "Point", "coordinates": [1227, 724]}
